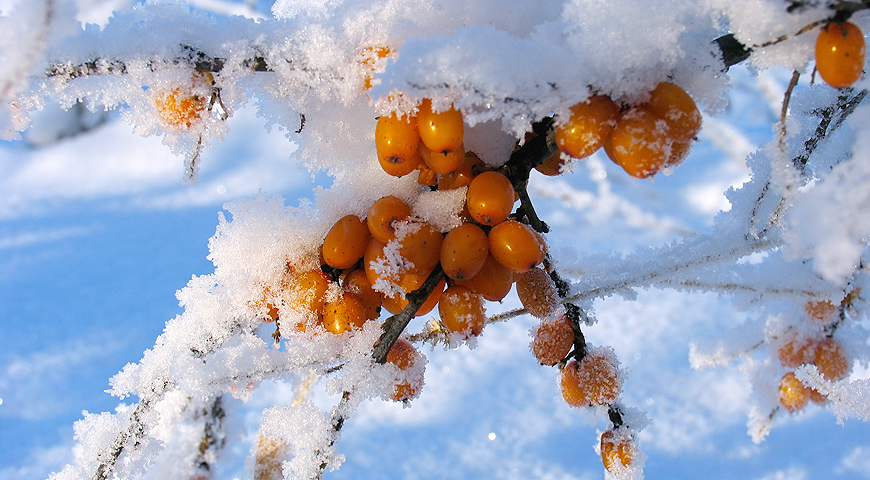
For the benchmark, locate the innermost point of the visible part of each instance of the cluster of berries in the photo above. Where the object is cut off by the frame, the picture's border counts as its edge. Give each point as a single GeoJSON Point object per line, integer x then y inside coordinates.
{"type": "Point", "coordinates": [820, 349]}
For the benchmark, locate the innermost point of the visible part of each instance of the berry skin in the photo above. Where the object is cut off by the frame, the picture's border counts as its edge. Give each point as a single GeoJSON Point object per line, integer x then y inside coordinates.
{"type": "Point", "coordinates": [493, 281]}
{"type": "Point", "coordinates": [552, 166]}
{"type": "Point", "coordinates": [588, 127]}
{"type": "Point", "coordinates": [830, 359]}
{"type": "Point", "coordinates": [346, 242]}
{"type": "Point", "coordinates": [306, 294]}
{"type": "Point", "coordinates": [420, 244]}
{"type": "Point", "coordinates": [442, 163]}
{"type": "Point", "coordinates": [180, 109]}
{"type": "Point", "coordinates": [515, 245]}
{"type": "Point", "coordinates": [404, 356]}
{"type": "Point", "coordinates": [640, 143]}
{"type": "Point", "coordinates": [490, 198]}
{"type": "Point", "coordinates": [537, 292]}
{"type": "Point", "coordinates": [617, 451]}
{"type": "Point", "coordinates": [464, 251]}
{"type": "Point", "coordinates": [383, 214]}
{"type": "Point", "coordinates": [840, 52]}
{"type": "Point", "coordinates": [461, 311]}
{"type": "Point", "coordinates": [823, 312]}
{"type": "Point", "coordinates": [441, 132]}
{"type": "Point", "coordinates": [396, 141]}
{"type": "Point", "coordinates": [553, 340]}
{"type": "Point", "coordinates": [595, 380]}
{"type": "Point", "coordinates": [373, 257]}
{"type": "Point", "coordinates": [358, 283]}
{"type": "Point", "coordinates": [796, 351]}
{"type": "Point", "coordinates": [345, 314]}
{"type": "Point", "coordinates": [793, 395]}
{"type": "Point", "coordinates": [673, 105]}
{"type": "Point", "coordinates": [462, 177]}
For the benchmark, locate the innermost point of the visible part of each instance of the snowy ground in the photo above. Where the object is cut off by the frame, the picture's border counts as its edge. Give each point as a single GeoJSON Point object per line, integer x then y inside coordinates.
{"type": "Point", "coordinates": [98, 232]}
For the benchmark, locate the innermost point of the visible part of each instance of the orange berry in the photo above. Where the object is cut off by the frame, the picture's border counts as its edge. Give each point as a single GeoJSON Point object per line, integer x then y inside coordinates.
{"type": "Point", "coordinates": [462, 177]}
{"type": "Point", "coordinates": [493, 281]}
{"type": "Point", "coordinates": [617, 451]}
{"type": "Point", "coordinates": [672, 104]}
{"type": "Point", "coordinates": [409, 282]}
{"type": "Point", "coordinates": [181, 108]}
{"type": "Point", "coordinates": [442, 131]}
{"type": "Point", "coordinates": [553, 340]}
{"type": "Point", "coordinates": [442, 162]}
{"type": "Point", "coordinates": [306, 294]}
{"type": "Point", "coordinates": [515, 245]}
{"type": "Point", "coordinates": [823, 312]}
{"type": "Point", "coordinates": [461, 311]}
{"type": "Point", "coordinates": [640, 143]}
{"type": "Point", "coordinates": [840, 52]}
{"type": "Point", "coordinates": [552, 166]}
{"type": "Point", "coordinates": [346, 242]}
{"type": "Point", "coordinates": [831, 360]}
{"type": "Point", "coordinates": [404, 356]}
{"type": "Point", "coordinates": [595, 380]}
{"type": "Point", "coordinates": [358, 283]}
{"type": "Point", "coordinates": [383, 214]}
{"type": "Point", "coordinates": [426, 175]}
{"type": "Point", "coordinates": [420, 245]}
{"type": "Point", "coordinates": [373, 259]}
{"type": "Point", "coordinates": [490, 198]}
{"type": "Point", "coordinates": [344, 314]}
{"type": "Point", "coordinates": [537, 292]}
{"type": "Point", "coordinates": [796, 351]}
{"type": "Point", "coordinates": [588, 127]}
{"type": "Point", "coordinates": [396, 141]}
{"type": "Point", "coordinates": [464, 251]}
{"type": "Point", "coordinates": [793, 395]}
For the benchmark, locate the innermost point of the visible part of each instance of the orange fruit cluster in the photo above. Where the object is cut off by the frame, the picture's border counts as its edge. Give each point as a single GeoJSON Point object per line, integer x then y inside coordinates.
{"type": "Point", "coordinates": [642, 139]}
{"type": "Point", "coordinates": [180, 108]}
{"type": "Point", "coordinates": [840, 54]}
{"type": "Point", "coordinates": [823, 351]}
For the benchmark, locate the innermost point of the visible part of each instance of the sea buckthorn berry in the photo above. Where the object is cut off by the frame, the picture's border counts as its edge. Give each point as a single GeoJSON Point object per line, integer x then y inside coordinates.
{"type": "Point", "coordinates": [461, 311]}
{"type": "Point", "coordinates": [537, 292]}
{"type": "Point", "coordinates": [442, 131]}
{"type": "Point", "coordinates": [679, 152]}
{"type": "Point", "coordinates": [346, 242]}
{"type": "Point", "coordinates": [383, 215]}
{"type": "Point", "coordinates": [442, 162]}
{"type": "Point", "coordinates": [831, 360]}
{"type": "Point", "coordinates": [464, 251]}
{"type": "Point", "coordinates": [404, 356]}
{"type": "Point", "coordinates": [673, 105]}
{"type": "Point", "coordinates": [358, 283]}
{"type": "Point", "coordinates": [797, 351]}
{"type": "Point", "coordinates": [552, 166]}
{"type": "Point", "coordinates": [617, 450]}
{"type": "Point", "coordinates": [793, 395]}
{"type": "Point", "coordinates": [426, 175]}
{"type": "Point", "coordinates": [553, 340]}
{"type": "Point", "coordinates": [823, 312]}
{"type": "Point", "coordinates": [588, 127]}
{"type": "Point", "coordinates": [374, 262]}
{"type": "Point", "coordinates": [306, 294]}
{"type": "Point", "coordinates": [490, 198]}
{"type": "Point", "coordinates": [396, 140]}
{"type": "Point", "coordinates": [181, 108]}
{"type": "Point", "coordinates": [370, 58]}
{"type": "Point", "coordinates": [409, 282]}
{"type": "Point", "coordinates": [840, 52]}
{"type": "Point", "coordinates": [420, 245]}
{"type": "Point", "coordinates": [493, 281]}
{"type": "Point", "coordinates": [515, 246]}
{"type": "Point", "coordinates": [640, 143]}
{"type": "Point", "coordinates": [344, 314]}
{"type": "Point", "coordinates": [462, 177]}
{"type": "Point", "coordinates": [595, 380]}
